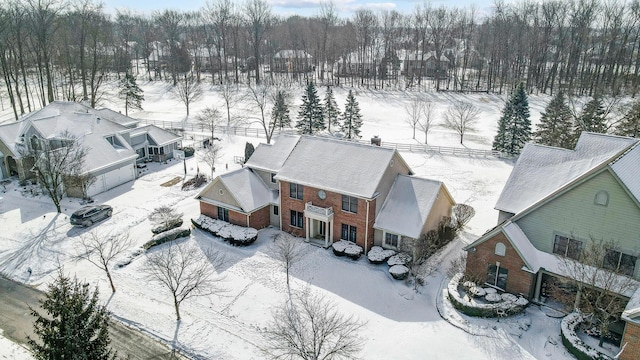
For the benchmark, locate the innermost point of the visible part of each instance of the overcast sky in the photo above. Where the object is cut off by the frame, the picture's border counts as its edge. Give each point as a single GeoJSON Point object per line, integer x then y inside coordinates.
{"type": "Point", "coordinates": [300, 7]}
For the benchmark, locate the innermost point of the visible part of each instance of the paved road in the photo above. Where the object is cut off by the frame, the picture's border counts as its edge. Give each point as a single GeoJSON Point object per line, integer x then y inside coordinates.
{"type": "Point", "coordinates": [17, 323]}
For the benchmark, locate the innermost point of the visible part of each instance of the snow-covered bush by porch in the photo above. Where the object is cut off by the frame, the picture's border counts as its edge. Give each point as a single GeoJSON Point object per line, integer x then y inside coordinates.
{"type": "Point", "coordinates": [399, 272]}
{"type": "Point", "coordinates": [378, 255]}
{"type": "Point", "coordinates": [400, 259]}
{"type": "Point", "coordinates": [467, 305]}
{"type": "Point", "coordinates": [348, 248]}
{"type": "Point", "coordinates": [234, 234]}
{"type": "Point", "coordinates": [166, 236]}
{"type": "Point", "coordinates": [573, 343]}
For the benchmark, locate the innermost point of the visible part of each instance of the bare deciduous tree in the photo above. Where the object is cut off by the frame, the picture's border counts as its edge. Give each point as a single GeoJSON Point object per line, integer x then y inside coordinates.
{"type": "Point", "coordinates": [597, 280]}
{"type": "Point", "coordinates": [462, 213]}
{"type": "Point", "coordinates": [461, 116]}
{"type": "Point", "coordinates": [414, 110]}
{"type": "Point", "coordinates": [210, 155]}
{"type": "Point", "coordinates": [231, 96]}
{"type": "Point", "coordinates": [165, 216]}
{"type": "Point", "coordinates": [210, 119]}
{"type": "Point", "coordinates": [185, 271]}
{"type": "Point", "coordinates": [258, 20]}
{"type": "Point", "coordinates": [427, 121]}
{"type": "Point", "coordinates": [102, 249]}
{"type": "Point", "coordinates": [54, 160]}
{"type": "Point", "coordinates": [288, 250]}
{"type": "Point", "coordinates": [310, 327]}
{"type": "Point", "coordinates": [260, 97]}
{"type": "Point", "coordinates": [188, 90]}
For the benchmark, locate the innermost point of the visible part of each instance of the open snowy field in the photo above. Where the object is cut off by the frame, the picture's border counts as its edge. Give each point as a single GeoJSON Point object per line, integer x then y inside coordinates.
{"type": "Point", "coordinates": [400, 323]}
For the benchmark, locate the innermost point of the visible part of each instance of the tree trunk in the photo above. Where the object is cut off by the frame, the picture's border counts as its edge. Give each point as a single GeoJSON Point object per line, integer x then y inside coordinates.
{"type": "Point", "coordinates": [113, 288]}
{"type": "Point", "coordinates": [176, 304]}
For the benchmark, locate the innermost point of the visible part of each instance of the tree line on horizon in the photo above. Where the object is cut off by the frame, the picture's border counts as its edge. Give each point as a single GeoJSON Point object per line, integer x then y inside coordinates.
{"type": "Point", "coordinates": [52, 50]}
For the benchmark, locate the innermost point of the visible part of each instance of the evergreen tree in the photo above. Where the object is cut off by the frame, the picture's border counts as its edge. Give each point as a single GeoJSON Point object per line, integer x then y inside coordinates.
{"type": "Point", "coordinates": [248, 151]}
{"type": "Point", "coordinates": [130, 93]}
{"type": "Point", "coordinates": [331, 110]}
{"type": "Point", "coordinates": [74, 326]}
{"type": "Point", "coordinates": [280, 113]}
{"type": "Point", "coordinates": [592, 119]}
{"type": "Point", "coordinates": [351, 118]}
{"type": "Point", "coordinates": [514, 127]}
{"type": "Point", "coordinates": [556, 124]}
{"type": "Point", "coordinates": [630, 123]}
{"type": "Point", "coordinates": [310, 119]}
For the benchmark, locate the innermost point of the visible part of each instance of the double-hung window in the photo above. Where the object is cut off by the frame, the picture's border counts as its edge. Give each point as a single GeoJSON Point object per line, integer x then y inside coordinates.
{"type": "Point", "coordinates": [297, 219]}
{"type": "Point", "coordinates": [295, 191]}
{"type": "Point", "coordinates": [223, 214]}
{"type": "Point", "coordinates": [567, 247]}
{"type": "Point", "coordinates": [391, 239]}
{"type": "Point", "coordinates": [350, 204]}
{"type": "Point", "coordinates": [620, 262]}
{"type": "Point", "coordinates": [348, 233]}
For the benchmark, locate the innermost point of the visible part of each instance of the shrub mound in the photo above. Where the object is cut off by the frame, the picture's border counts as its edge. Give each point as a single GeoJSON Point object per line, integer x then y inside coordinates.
{"type": "Point", "coordinates": [343, 247]}
{"type": "Point", "coordinates": [470, 307]}
{"type": "Point", "coordinates": [166, 236]}
{"type": "Point", "coordinates": [234, 234]}
{"type": "Point", "coordinates": [166, 227]}
{"type": "Point", "coordinates": [400, 259]}
{"type": "Point", "coordinates": [378, 255]}
{"type": "Point", "coordinates": [188, 151]}
{"type": "Point", "coordinates": [399, 272]}
{"type": "Point", "coordinates": [573, 343]}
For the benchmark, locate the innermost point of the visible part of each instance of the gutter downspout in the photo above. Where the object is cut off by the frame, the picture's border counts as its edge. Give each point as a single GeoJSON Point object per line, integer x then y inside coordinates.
{"type": "Point", "coordinates": [366, 230]}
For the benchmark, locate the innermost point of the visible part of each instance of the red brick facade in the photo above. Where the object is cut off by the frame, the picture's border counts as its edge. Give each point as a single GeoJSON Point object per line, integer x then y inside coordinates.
{"type": "Point", "coordinates": [518, 280]}
{"type": "Point", "coordinates": [258, 219]}
{"type": "Point", "coordinates": [332, 200]}
{"type": "Point", "coordinates": [632, 341]}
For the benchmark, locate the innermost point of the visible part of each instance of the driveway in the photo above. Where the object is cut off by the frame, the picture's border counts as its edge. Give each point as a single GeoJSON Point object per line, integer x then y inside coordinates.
{"type": "Point", "coordinates": [16, 323]}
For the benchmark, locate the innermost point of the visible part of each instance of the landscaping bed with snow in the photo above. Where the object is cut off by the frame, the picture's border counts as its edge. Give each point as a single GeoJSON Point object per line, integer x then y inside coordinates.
{"type": "Point", "coordinates": [234, 234]}
{"type": "Point", "coordinates": [573, 343]}
{"type": "Point", "coordinates": [483, 302]}
{"type": "Point", "coordinates": [347, 248]}
{"type": "Point", "coordinates": [166, 236]}
{"type": "Point", "coordinates": [378, 255]}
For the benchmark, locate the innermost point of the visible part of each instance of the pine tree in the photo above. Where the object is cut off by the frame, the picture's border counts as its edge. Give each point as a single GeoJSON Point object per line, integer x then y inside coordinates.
{"type": "Point", "coordinates": [280, 113]}
{"type": "Point", "coordinates": [130, 93]}
{"type": "Point", "coordinates": [74, 326]}
{"type": "Point", "coordinates": [556, 124]}
{"type": "Point", "coordinates": [331, 110]}
{"type": "Point", "coordinates": [351, 118]}
{"type": "Point", "coordinates": [310, 119]}
{"type": "Point", "coordinates": [630, 123]}
{"type": "Point", "coordinates": [592, 119]}
{"type": "Point", "coordinates": [514, 127]}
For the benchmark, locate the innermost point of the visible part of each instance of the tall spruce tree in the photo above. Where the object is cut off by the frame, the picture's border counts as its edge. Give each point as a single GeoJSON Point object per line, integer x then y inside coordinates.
{"type": "Point", "coordinates": [351, 118]}
{"type": "Point", "coordinates": [75, 326]}
{"type": "Point", "coordinates": [514, 127]}
{"type": "Point", "coordinates": [556, 124]}
{"type": "Point", "coordinates": [593, 119]}
{"type": "Point", "coordinates": [630, 123]}
{"type": "Point", "coordinates": [310, 118]}
{"type": "Point", "coordinates": [331, 110]}
{"type": "Point", "coordinates": [131, 93]}
{"type": "Point", "coordinates": [280, 113]}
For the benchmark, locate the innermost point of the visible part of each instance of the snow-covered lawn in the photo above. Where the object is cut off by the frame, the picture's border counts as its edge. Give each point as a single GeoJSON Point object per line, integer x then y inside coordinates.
{"type": "Point", "coordinates": [401, 324]}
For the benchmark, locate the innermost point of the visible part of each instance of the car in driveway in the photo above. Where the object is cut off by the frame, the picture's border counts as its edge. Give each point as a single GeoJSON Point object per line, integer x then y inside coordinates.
{"type": "Point", "coordinates": [87, 215]}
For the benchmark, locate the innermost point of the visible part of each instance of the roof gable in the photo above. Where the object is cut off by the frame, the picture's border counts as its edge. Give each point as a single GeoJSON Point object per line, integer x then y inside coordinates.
{"type": "Point", "coordinates": [244, 186]}
{"type": "Point", "coordinates": [271, 157]}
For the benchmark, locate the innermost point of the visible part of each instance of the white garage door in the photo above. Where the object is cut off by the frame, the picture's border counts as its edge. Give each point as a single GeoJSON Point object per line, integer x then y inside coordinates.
{"type": "Point", "coordinates": [118, 176]}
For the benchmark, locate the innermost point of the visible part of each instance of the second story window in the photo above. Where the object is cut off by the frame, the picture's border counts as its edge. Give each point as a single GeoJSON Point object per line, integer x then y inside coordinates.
{"type": "Point", "coordinates": [295, 191]}
{"type": "Point", "coordinates": [350, 204]}
{"type": "Point", "coordinates": [567, 247]}
{"type": "Point", "coordinates": [620, 262]}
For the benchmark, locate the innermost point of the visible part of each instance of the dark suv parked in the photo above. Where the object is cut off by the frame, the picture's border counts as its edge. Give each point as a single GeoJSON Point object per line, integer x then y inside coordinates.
{"type": "Point", "coordinates": [88, 215]}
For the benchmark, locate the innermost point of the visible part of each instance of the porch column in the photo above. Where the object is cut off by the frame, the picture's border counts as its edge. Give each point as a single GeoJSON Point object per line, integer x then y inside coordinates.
{"type": "Point", "coordinates": [536, 293]}
{"type": "Point", "coordinates": [306, 228]}
{"type": "Point", "coordinates": [330, 231]}
{"type": "Point", "coordinates": [326, 234]}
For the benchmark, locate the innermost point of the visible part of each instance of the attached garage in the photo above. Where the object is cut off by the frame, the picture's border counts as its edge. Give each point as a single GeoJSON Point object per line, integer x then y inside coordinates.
{"type": "Point", "coordinates": [114, 176]}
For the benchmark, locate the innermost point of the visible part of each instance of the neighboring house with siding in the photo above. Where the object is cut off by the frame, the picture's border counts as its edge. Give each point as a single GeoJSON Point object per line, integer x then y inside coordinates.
{"type": "Point", "coordinates": [325, 190]}
{"type": "Point", "coordinates": [113, 142]}
{"type": "Point", "coordinates": [554, 203]}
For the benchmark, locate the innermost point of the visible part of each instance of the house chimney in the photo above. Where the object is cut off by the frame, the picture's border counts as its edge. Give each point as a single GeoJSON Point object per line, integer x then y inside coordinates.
{"type": "Point", "coordinates": [375, 140]}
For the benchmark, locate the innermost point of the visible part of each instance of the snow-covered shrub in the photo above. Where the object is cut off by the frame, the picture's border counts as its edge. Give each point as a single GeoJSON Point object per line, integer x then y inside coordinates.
{"type": "Point", "coordinates": [378, 255]}
{"type": "Point", "coordinates": [470, 307]}
{"type": "Point", "coordinates": [234, 234]}
{"type": "Point", "coordinates": [400, 259]}
{"type": "Point", "coordinates": [348, 248]}
{"type": "Point", "coordinates": [573, 343]}
{"type": "Point", "coordinates": [166, 227]}
{"type": "Point", "coordinates": [166, 236]}
{"type": "Point", "coordinates": [188, 151]}
{"type": "Point", "coordinates": [399, 272]}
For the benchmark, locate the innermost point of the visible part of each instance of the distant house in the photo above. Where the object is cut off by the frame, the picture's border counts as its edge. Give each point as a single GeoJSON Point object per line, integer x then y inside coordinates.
{"type": "Point", "coordinates": [291, 61]}
{"type": "Point", "coordinates": [358, 63]}
{"type": "Point", "coordinates": [113, 142]}
{"type": "Point", "coordinates": [415, 64]}
{"type": "Point", "coordinates": [327, 190]}
{"type": "Point", "coordinates": [555, 202]}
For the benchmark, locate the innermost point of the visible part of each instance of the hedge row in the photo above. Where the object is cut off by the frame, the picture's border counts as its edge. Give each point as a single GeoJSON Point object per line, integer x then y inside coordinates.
{"type": "Point", "coordinates": [480, 310]}
{"type": "Point", "coordinates": [234, 234]}
{"type": "Point", "coordinates": [166, 236]}
{"type": "Point", "coordinates": [573, 343]}
{"type": "Point", "coordinates": [171, 225]}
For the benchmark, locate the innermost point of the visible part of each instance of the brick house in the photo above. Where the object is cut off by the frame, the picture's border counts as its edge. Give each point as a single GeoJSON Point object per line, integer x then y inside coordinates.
{"type": "Point", "coordinates": [324, 190]}
{"type": "Point", "coordinates": [554, 203]}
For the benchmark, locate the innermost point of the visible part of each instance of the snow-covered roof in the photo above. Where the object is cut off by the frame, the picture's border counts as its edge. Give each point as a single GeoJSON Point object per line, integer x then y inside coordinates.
{"type": "Point", "coordinates": [116, 117]}
{"type": "Point", "coordinates": [159, 136]}
{"type": "Point", "coordinates": [9, 135]}
{"type": "Point", "coordinates": [541, 170]}
{"type": "Point", "coordinates": [627, 169]}
{"type": "Point", "coordinates": [248, 189]}
{"type": "Point", "coordinates": [340, 166]}
{"type": "Point", "coordinates": [408, 205]}
{"type": "Point", "coordinates": [292, 54]}
{"type": "Point", "coordinates": [271, 157]}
